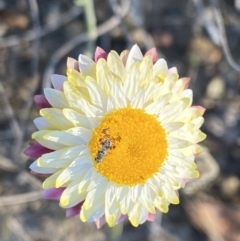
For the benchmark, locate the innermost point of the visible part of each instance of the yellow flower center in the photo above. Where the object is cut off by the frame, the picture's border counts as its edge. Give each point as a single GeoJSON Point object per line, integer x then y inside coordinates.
{"type": "Point", "coordinates": [128, 147]}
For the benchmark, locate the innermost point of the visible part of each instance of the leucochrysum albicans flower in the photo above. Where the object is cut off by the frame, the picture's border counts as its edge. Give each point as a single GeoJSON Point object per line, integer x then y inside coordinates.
{"type": "Point", "coordinates": [117, 137]}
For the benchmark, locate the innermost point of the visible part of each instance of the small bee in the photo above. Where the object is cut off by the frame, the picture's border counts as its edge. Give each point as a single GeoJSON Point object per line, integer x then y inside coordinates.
{"type": "Point", "coordinates": [106, 145]}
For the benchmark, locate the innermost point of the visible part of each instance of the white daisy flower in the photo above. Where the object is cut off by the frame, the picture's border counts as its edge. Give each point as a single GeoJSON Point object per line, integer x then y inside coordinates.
{"type": "Point", "coordinates": [117, 137]}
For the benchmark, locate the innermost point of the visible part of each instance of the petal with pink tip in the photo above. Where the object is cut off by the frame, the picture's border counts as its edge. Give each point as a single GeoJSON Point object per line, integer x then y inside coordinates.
{"type": "Point", "coordinates": [186, 82]}
{"type": "Point", "coordinates": [36, 150]}
{"type": "Point", "coordinates": [185, 180]}
{"type": "Point", "coordinates": [99, 53]}
{"type": "Point", "coordinates": [124, 56]}
{"type": "Point", "coordinates": [122, 218]}
{"type": "Point", "coordinates": [74, 211]}
{"type": "Point", "coordinates": [72, 64]}
{"type": "Point", "coordinates": [202, 109]}
{"type": "Point", "coordinates": [173, 70]}
{"type": "Point", "coordinates": [41, 101]}
{"type": "Point", "coordinates": [153, 53]}
{"type": "Point", "coordinates": [151, 217]}
{"type": "Point", "coordinates": [57, 81]}
{"type": "Point", "coordinates": [53, 193]}
{"type": "Point", "coordinates": [100, 222]}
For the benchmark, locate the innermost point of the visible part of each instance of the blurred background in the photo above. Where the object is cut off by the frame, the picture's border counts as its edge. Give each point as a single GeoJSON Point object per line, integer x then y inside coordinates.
{"type": "Point", "coordinates": [200, 37]}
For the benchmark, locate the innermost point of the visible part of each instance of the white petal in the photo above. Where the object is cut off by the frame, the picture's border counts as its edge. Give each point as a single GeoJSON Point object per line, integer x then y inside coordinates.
{"type": "Point", "coordinates": [90, 110]}
{"type": "Point", "coordinates": [56, 98]}
{"type": "Point", "coordinates": [95, 211]}
{"type": "Point", "coordinates": [135, 192]}
{"type": "Point", "coordinates": [76, 170]}
{"type": "Point", "coordinates": [70, 196]}
{"type": "Point", "coordinates": [56, 118]}
{"type": "Point", "coordinates": [62, 157]}
{"type": "Point", "coordinates": [39, 137]}
{"type": "Point", "coordinates": [86, 65]}
{"type": "Point", "coordinates": [124, 199]}
{"type": "Point", "coordinates": [117, 93]}
{"type": "Point", "coordinates": [115, 64]}
{"type": "Point", "coordinates": [57, 81]}
{"type": "Point", "coordinates": [134, 55]}
{"type": "Point", "coordinates": [96, 181]}
{"type": "Point", "coordinates": [173, 70]}
{"type": "Point", "coordinates": [86, 180]}
{"type": "Point", "coordinates": [188, 94]}
{"type": "Point", "coordinates": [173, 110]}
{"type": "Point", "coordinates": [157, 107]}
{"type": "Point", "coordinates": [172, 126]}
{"type": "Point", "coordinates": [167, 86]}
{"type": "Point", "coordinates": [161, 204]}
{"type": "Point", "coordinates": [97, 214]}
{"type": "Point", "coordinates": [104, 77]}
{"type": "Point", "coordinates": [59, 163]}
{"type": "Point", "coordinates": [146, 199]}
{"type": "Point", "coordinates": [97, 95]}
{"type": "Point", "coordinates": [135, 214]}
{"type": "Point", "coordinates": [112, 209]}
{"type": "Point", "coordinates": [76, 118]}
{"type": "Point", "coordinates": [111, 105]}
{"type": "Point", "coordinates": [84, 133]}
{"type": "Point", "coordinates": [42, 124]}
{"type": "Point", "coordinates": [160, 68]}
{"type": "Point", "coordinates": [43, 170]}
{"type": "Point", "coordinates": [138, 100]}
{"type": "Point", "coordinates": [175, 143]}
{"type": "Point", "coordinates": [131, 84]}
{"type": "Point", "coordinates": [150, 89]}
{"type": "Point", "coordinates": [144, 215]}
{"type": "Point", "coordinates": [94, 195]}
{"type": "Point", "coordinates": [197, 122]}
{"type": "Point", "coordinates": [72, 96]}
{"type": "Point", "coordinates": [66, 137]}
{"type": "Point", "coordinates": [177, 90]}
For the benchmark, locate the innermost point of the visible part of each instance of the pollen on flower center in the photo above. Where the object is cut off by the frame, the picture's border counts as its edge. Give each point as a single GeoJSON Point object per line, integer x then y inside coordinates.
{"type": "Point", "coordinates": [128, 147]}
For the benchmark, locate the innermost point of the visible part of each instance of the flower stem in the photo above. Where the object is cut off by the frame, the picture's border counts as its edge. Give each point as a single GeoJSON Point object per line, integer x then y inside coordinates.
{"type": "Point", "coordinates": [91, 24]}
{"type": "Point", "coordinates": [114, 233]}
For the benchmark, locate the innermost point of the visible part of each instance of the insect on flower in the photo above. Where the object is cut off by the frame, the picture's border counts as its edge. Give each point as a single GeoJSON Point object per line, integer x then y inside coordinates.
{"type": "Point", "coordinates": [106, 145]}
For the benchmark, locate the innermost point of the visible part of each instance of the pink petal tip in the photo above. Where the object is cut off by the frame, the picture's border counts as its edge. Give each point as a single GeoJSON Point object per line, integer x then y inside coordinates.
{"type": "Point", "coordinates": [153, 53]}
{"type": "Point", "coordinates": [100, 222]}
{"type": "Point", "coordinates": [53, 193]}
{"type": "Point", "coordinates": [100, 53]}
{"type": "Point", "coordinates": [151, 217]}
{"type": "Point", "coordinates": [185, 180]}
{"type": "Point", "coordinates": [202, 109]}
{"type": "Point", "coordinates": [74, 211]}
{"type": "Point", "coordinates": [72, 64]}
{"type": "Point", "coordinates": [41, 102]}
{"type": "Point", "coordinates": [122, 218]}
{"type": "Point", "coordinates": [173, 70]}
{"type": "Point", "coordinates": [186, 82]}
{"type": "Point", "coordinates": [35, 150]}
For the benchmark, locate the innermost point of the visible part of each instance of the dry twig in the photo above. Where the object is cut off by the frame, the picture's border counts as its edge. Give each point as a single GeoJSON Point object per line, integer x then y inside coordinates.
{"type": "Point", "coordinates": [66, 48]}
{"type": "Point", "coordinates": [17, 229]}
{"type": "Point", "coordinates": [20, 198]}
{"type": "Point", "coordinates": [223, 36]}
{"type": "Point", "coordinates": [15, 127]}
{"type": "Point", "coordinates": [40, 32]}
{"type": "Point", "coordinates": [35, 59]}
